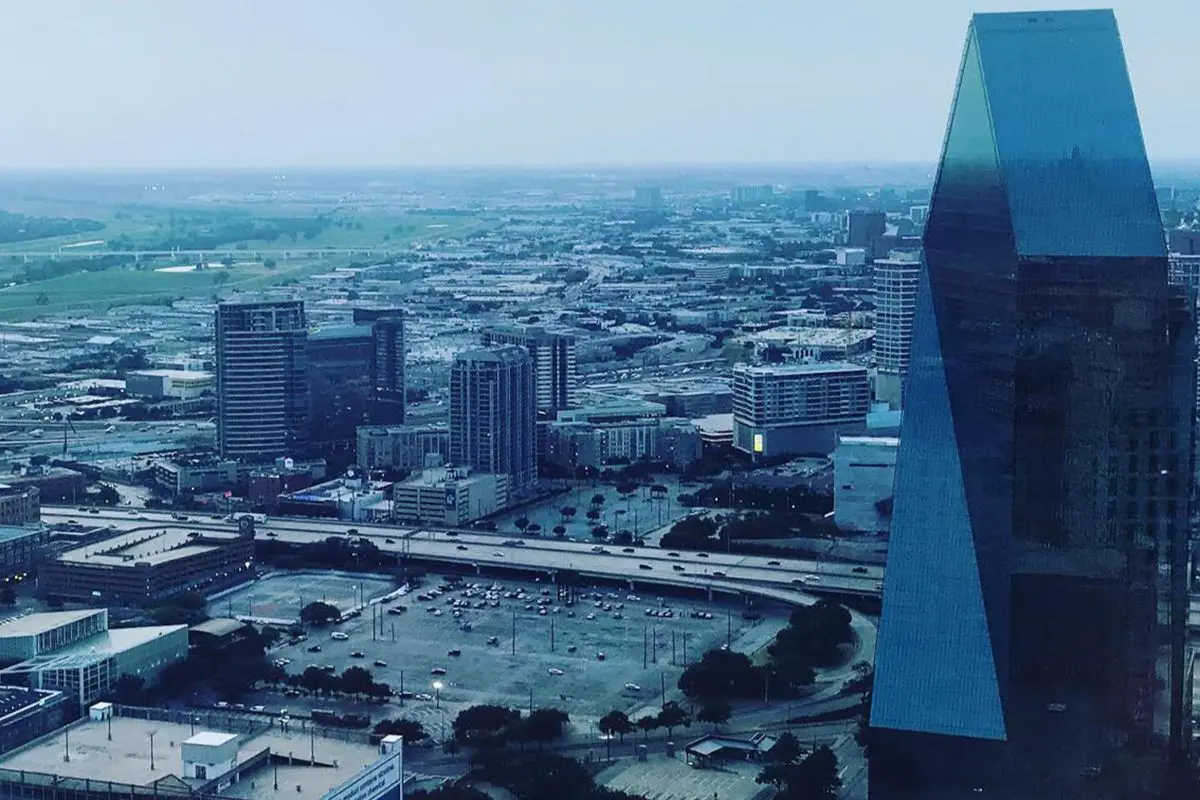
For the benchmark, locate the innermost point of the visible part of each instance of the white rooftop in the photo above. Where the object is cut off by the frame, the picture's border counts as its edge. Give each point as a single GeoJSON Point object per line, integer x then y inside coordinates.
{"type": "Point", "coordinates": [211, 738]}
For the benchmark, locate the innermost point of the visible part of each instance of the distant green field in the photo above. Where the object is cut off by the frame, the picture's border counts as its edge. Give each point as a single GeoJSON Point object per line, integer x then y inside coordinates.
{"type": "Point", "coordinates": [96, 292]}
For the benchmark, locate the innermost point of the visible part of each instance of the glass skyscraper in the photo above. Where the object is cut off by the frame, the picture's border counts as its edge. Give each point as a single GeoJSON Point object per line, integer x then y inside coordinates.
{"type": "Point", "coordinates": [1033, 632]}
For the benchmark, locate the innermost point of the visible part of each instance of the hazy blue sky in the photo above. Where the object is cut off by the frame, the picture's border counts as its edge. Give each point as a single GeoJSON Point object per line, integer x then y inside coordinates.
{"type": "Point", "coordinates": [127, 83]}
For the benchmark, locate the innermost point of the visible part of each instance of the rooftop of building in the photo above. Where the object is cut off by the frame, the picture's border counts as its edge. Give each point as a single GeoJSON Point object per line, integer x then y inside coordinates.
{"type": "Point", "coordinates": [17, 698]}
{"type": "Point", "coordinates": [337, 489]}
{"type": "Point", "coordinates": [416, 427]}
{"type": "Point", "coordinates": [9, 533]}
{"type": "Point", "coordinates": [500, 354]}
{"type": "Point", "coordinates": [34, 624]}
{"type": "Point", "coordinates": [173, 374]}
{"type": "Point", "coordinates": [813, 336]}
{"type": "Point", "coordinates": [126, 758]}
{"type": "Point", "coordinates": [220, 626]}
{"type": "Point", "coordinates": [817, 368]}
{"type": "Point", "coordinates": [147, 546]}
{"type": "Point", "coordinates": [259, 300]}
{"type": "Point", "coordinates": [336, 332]}
{"type": "Point", "coordinates": [873, 441]}
{"type": "Point", "coordinates": [438, 476]}
{"type": "Point", "coordinates": [93, 649]}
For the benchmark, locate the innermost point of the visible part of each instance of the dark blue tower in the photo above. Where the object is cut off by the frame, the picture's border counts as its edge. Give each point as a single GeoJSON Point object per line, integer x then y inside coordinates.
{"type": "Point", "coordinates": [1034, 609]}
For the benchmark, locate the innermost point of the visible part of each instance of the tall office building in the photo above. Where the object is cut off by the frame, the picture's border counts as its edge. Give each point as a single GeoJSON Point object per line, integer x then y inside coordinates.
{"type": "Point", "coordinates": [866, 229]}
{"type": "Point", "coordinates": [648, 198]}
{"type": "Point", "coordinates": [895, 300]}
{"type": "Point", "coordinates": [339, 391]}
{"type": "Point", "coordinates": [262, 379]}
{"type": "Point", "coordinates": [553, 355]}
{"type": "Point", "coordinates": [1035, 606]}
{"type": "Point", "coordinates": [493, 414]}
{"type": "Point", "coordinates": [387, 371]}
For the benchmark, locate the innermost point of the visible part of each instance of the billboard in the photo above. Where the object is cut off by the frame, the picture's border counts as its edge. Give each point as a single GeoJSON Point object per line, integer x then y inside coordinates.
{"type": "Point", "coordinates": [758, 442]}
{"type": "Point", "coordinates": [374, 782]}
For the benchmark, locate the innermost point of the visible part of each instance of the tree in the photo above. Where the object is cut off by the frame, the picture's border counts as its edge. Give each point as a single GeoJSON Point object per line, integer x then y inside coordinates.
{"type": "Point", "coordinates": [408, 729]}
{"type": "Point", "coordinates": [268, 263]}
{"type": "Point", "coordinates": [483, 724]}
{"type": "Point", "coordinates": [786, 749]}
{"type": "Point", "coordinates": [560, 532]}
{"type": "Point", "coordinates": [356, 680]}
{"type": "Point", "coordinates": [568, 512]}
{"type": "Point", "coordinates": [545, 725]}
{"type": "Point", "coordinates": [716, 710]}
{"type": "Point", "coordinates": [534, 529]}
{"type": "Point", "coordinates": [673, 716]}
{"type": "Point", "coordinates": [614, 723]}
{"type": "Point", "coordinates": [522, 523]}
{"type": "Point", "coordinates": [647, 724]}
{"type": "Point", "coordinates": [816, 777]}
{"type": "Point", "coordinates": [8, 596]}
{"type": "Point", "coordinates": [593, 514]}
{"type": "Point", "coordinates": [42, 299]}
{"type": "Point", "coordinates": [227, 261]}
{"type": "Point", "coordinates": [597, 499]}
{"type": "Point", "coordinates": [319, 614]}
{"type": "Point", "coordinates": [315, 679]}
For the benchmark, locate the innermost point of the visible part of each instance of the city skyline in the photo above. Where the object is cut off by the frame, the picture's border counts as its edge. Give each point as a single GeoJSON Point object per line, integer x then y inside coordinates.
{"type": "Point", "coordinates": [551, 83]}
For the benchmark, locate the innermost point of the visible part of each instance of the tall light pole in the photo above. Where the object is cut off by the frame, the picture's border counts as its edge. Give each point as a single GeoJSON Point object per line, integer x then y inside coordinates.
{"type": "Point", "coordinates": [437, 694]}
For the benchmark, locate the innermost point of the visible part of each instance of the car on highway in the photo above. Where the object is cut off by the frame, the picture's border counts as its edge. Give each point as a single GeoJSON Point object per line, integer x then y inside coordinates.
{"type": "Point", "coordinates": [859, 570]}
{"type": "Point", "coordinates": [677, 568]}
{"type": "Point", "coordinates": [702, 555]}
{"type": "Point", "coordinates": [498, 554]}
{"type": "Point", "coordinates": [645, 566]}
{"type": "Point", "coordinates": [673, 554]}
{"type": "Point", "coordinates": [461, 547]}
{"type": "Point", "coordinates": [628, 550]}
{"type": "Point", "coordinates": [772, 563]}
{"type": "Point", "coordinates": [718, 574]}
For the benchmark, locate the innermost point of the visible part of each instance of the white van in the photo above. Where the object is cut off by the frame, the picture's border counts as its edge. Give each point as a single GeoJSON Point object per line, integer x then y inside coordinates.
{"type": "Point", "coordinates": [632, 687]}
{"type": "Point", "coordinates": [341, 637]}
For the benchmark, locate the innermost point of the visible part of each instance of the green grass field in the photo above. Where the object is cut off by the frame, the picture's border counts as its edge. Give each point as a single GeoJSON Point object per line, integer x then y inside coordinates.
{"type": "Point", "coordinates": [96, 292]}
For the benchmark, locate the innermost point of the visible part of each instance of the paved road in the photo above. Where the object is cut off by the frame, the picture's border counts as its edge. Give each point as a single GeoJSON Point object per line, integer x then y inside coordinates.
{"type": "Point", "coordinates": [783, 579]}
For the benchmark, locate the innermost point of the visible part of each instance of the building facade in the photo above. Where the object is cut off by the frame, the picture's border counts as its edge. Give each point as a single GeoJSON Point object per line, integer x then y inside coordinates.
{"type": "Point", "coordinates": [1035, 604]}
{"type": "Point", "coordinates": [402, 446]}
{"type": "Point", "coordinates": [553, 356]}
{"type": "Point", "coordinates": [895, 301]}
{"type": "Point", "coordinates": [388, 378]}
{"type": "Point", "coordinates": [340, 362]}
{"type": "Point", "coordinates": [798, 408]}
{"type": "Point", "coordinates": [493, 414]}
{"type": "Point", "coordinates": [262, 379]}
{"type": "Point", "coordinates": [448, 496]}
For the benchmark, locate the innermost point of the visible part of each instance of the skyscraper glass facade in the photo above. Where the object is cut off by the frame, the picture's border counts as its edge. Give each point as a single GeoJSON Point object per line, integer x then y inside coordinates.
{"type": "Point", "coordinates": [1038, 551]}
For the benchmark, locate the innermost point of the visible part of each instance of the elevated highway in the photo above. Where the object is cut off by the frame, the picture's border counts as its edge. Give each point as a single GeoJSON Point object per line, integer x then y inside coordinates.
{"type": "Point", "coordinates": [776, 578]}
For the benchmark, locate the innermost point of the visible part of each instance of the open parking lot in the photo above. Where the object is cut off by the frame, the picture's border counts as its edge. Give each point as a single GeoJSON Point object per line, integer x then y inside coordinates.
{"type": "Point", "coordinates": [567, 672]}
{"type": "Point", "coordinates": [279, 596]}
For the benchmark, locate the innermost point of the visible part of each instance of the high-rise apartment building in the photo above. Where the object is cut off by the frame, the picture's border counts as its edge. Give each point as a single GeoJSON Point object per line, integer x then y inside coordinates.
{"type": "Point", "coordinates": [387, 371]}
{"type": "Point", "coordinates": [798, 408]}
{"type": "Point", "coordinates": [262, 379]}
{"type": "Point", "coordinates": [553, 356]}
{"type": "Point", "coordinates": [339, 390]}
{"type": "Point", "coordinates": [895, 300]}
{"type": "Point", "coordinates": [493, 414]}
{"type": "Point", "coordinates": [1033, 633]}
{"type": "Point", "coordinates": [648, 198]}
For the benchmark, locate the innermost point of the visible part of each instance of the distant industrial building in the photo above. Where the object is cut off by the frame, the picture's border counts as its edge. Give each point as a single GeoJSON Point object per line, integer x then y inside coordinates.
{"type": "Point", "coordinates": [159, 383]}
{"type": "Point", "coordinates": [895, 302]}
{"type": "Point", "coordinates": [262, 379]}
{"type": "Point", "coordinates": [647, 198]}
{"type": "Point", "coordinates": [864, 469]}
{"type": "Point", "coordinates": [751, 196]}
{"type": "Point", "coordinates": [798, 408]}
{"type": "Point", "coordinates": [813, 343]}
{"type": "Point", "coordinates": [493, 414]}
{"type": "Point", "coordinates": [449, 496]}
{"type": "Point", "coordinates": [193, 474]}
{"type": "Point", "coordinates": [119, 752]}
{"type": "Point", "coordinates": [286, 475]}
{"type": "Point", "coordinates": [19, 505]}
{"type": "Point", "coordinates": [75, 653]}
{"type": "Point", "coordinates": [553, 356]}
{"type": "Point", "coordinates": [693, 398]}
{"type": "Point", "coordinates": [402, 446]}
{"type": "Point", "coordinates": [144, 567]}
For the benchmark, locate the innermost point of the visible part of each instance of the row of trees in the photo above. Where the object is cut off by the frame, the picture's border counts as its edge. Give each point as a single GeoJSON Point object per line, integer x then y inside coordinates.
{"type": "Point", "coordinates": [792, 499]}
{"type": "Point", "coordinates": [354, 681]}
{"type": "Point", "coordinates": [670, 716]}
{"type": "Point", "coordinates": [492, 726]}
{"type": "Point", "coordinates": [813, 638]}
{"type": "Point", "coordinates": [708, 534]}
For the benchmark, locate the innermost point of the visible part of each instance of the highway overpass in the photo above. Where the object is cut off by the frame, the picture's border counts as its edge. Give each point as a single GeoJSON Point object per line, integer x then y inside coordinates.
{"type": "Point", "coordinates": [776, 578]}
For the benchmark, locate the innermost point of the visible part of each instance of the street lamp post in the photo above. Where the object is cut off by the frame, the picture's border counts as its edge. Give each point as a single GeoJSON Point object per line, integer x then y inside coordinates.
{"type": "Point", "coordinates": [437, 694]}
